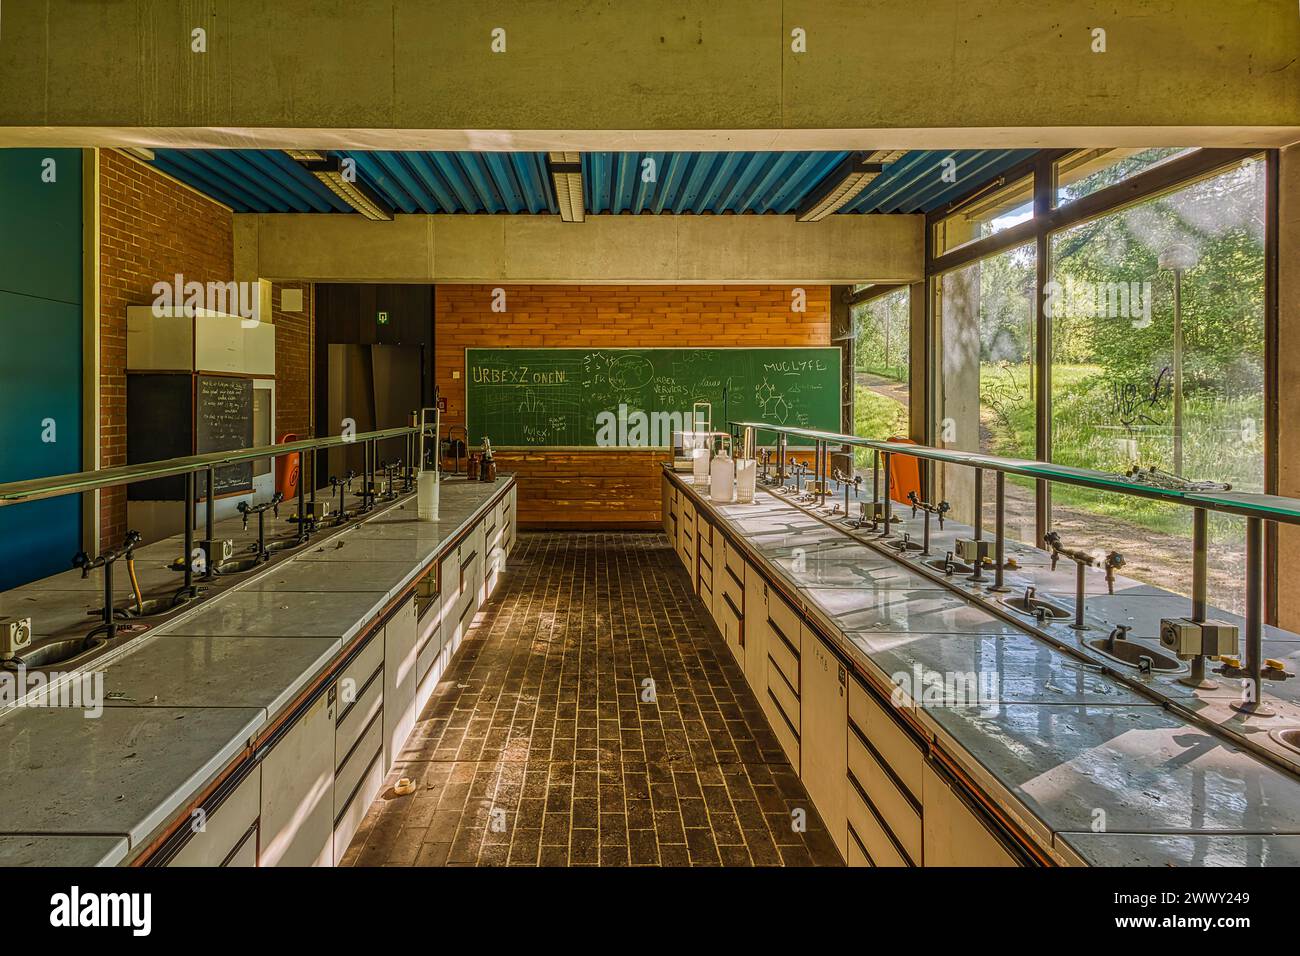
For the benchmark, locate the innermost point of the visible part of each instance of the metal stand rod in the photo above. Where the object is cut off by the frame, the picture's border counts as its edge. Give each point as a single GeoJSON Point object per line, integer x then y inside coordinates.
{"type": "Point", "coordinates": [209, 572]}
{"type": "Point", "coordinates": [1079, 585]}
{"type": "Point", "coordinates": [1200, 552]}
{"type": "Point", "coordinates": [189, 532]}
{"type": "Point", "coordinates": [1254, 602]}
{"type": "Point", "coordinates": [999, 531]}
{"type": "Point", "coordinates": [979, 504]}
{"type": "Point", "coordinates": [925, 536]}
{"type": "Point", "coordinates": [875, 481]}
{"type": "Point", "coordinates": [823, 472]}
{"type": "Point", "coordinates": [312, 490]}
{"type": "Point", "coordinates": [302, 499]}
{"type": "Point", "coordinates": [885, 533]}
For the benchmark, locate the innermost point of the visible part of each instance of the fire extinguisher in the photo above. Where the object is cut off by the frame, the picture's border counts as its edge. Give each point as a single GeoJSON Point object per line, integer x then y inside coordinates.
{"type": "Point", "coordinates": [288, 469]}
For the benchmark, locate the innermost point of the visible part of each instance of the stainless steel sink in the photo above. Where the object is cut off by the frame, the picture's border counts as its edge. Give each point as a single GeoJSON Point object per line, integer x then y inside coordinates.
{"type": "Point", "coordinates": [1289, 738]}
{"type": "Point", "coordinates": [66, 652]}
{"type": "Point", "coordinates": [237, 565]}
{"type": "Point", "coordinates": [155, 606]}
{"type": "Point", "coordinates": [1032, 605]}
{"type": "Point", "coordinates": [280, 544]}
{"type": "Point", "coordinates": [958, 567]}
{"type": "Point", "coordinates": [1131, 653]}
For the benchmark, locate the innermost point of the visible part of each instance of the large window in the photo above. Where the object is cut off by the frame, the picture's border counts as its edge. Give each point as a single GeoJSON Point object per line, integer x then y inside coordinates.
{"type": "Point", "coordinates": [1154, 307]}
{"type": "Point", "coordinates": [984, 362]}
{"type": "Point", "coordinates": [1157, 315]}
{"type": "Point", "coordinates": [881, 378]}
{"type": "Point", "coordinates": [986, 215]}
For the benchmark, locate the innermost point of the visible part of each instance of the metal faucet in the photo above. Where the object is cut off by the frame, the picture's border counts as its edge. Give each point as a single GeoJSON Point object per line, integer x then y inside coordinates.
{"type": "Point", "coordinates": [456, 450]}
{"type": "Point", "coordinates": [1082, 560]}
{"type": "Point", "coordinates": [941, 509]}
{"type": "Point", "coordinates": [246, 509]}
{"type": "Point", "coordinates": [106, 560]}
{"type": "Point", "coordinates": [1119, 633]}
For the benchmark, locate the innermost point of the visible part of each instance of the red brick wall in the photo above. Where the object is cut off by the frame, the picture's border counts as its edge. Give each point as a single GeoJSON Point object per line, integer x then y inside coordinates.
{"type": "Point", "coordinates": [151, 228]}
{"type": "Point", "coordinates": [294, 357]}
{"type": "Point", "coordinates": [591, 488]}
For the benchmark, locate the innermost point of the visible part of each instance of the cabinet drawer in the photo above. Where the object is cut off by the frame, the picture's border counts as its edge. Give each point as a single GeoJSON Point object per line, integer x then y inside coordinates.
{"type": "Point", "coordinates": [732, 624]}
{"type": "Point", "coordinates": [856, 855]}
{"type": "Point", "coordinates": [784, 694]}
{"type": "Point", "coordinates": [895, 810]}
{"type": "Point", "coordinates": [226, 827]}
{"type": "Point", "coordinates": [786, 622]}
{"type": "Point", "coordinates": [355, 792]}
{"type": "Point", "coordinates": [782, 655]}
{"type": "Point", "coordinates": [867, 830]}
{"type": "Point", "coordinates": [734, 560]}
{"type": "Point", "coordinates": [359, 669]}
{"type": "Point", "coordinates": [356, 763]}
{"type": "Point", "coordinates": [734, 590]}
{"type": "Point", "coordinates": [787, 737]}
{"type": "Point", "coordinates": [356, 712]}
{"type": "Point", "coordinates": [705, 548]}
{"type": "Point", "coordinates": [954, 834]}
{"type": "Point", "coordinates": [430, 640]}
{"type": "Point", "coordinates": [891, 741]}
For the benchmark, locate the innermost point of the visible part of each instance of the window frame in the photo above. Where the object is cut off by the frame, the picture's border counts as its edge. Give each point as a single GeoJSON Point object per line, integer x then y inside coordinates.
{"type": "Point", "coordinates": [1049, 218]}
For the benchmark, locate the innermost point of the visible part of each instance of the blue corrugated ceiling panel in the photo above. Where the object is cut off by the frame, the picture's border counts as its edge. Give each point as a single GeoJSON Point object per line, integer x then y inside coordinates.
{"type": "Point", "coordinates": [916, 182]}
{"type": "Point", "coordinates": [674, 183]}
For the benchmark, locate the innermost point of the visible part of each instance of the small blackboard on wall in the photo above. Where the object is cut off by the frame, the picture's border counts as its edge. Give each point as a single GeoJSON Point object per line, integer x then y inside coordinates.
{"type": "Point", "coordinates": [172, 415]}
{"type": "Point", "coordinates": [159, 425]}
{"type": "Point", "coordinates": [224, 422]}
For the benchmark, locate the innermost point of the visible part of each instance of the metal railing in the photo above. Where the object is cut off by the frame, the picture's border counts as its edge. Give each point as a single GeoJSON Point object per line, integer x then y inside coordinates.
{"type": "Point", "coordinates": [36, 489]}
{"type": "Point", "coordinates": [1255, 508]}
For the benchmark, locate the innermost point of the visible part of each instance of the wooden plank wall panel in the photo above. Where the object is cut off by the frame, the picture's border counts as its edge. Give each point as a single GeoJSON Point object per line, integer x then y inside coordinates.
{"type": "Point", "coordinates": [577, 489]}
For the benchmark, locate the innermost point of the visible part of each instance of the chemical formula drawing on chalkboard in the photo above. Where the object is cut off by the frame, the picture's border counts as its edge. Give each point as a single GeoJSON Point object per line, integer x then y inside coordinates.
{"type": "Point", "coordinates": [565, 397]}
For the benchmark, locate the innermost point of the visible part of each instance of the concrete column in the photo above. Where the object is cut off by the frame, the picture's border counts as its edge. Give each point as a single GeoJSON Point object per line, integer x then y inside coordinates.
{"type": "Point", "coordinates": [1288, 378]}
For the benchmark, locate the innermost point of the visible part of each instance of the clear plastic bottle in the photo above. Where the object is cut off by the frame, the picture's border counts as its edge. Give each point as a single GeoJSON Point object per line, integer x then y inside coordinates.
{"type": "Point", "coordinates": [722, 473]}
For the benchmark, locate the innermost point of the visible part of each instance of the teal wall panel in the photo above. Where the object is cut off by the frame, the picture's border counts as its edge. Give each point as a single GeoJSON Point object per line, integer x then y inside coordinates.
{"type": "Point", "coordinates": [40, 356]}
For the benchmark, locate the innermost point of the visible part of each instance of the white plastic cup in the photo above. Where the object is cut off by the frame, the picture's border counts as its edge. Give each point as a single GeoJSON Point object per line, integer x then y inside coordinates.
{"type": "Point", "coordinates": [426, 495]}
{"type": "Point", "coordinates": [700, 465]}
{"type": "Point", "coordinates": [722, 479]}
{"type": "Point", "coordinates": [746, 477]}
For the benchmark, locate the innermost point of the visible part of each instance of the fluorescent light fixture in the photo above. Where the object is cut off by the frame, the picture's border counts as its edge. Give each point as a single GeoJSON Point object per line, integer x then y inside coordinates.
{"type": "Point", "coordinates": [329, 170]}
{"type": "Point", "coordinates": [566, 180]}
{"type": "Point", "coordinates": [841, 185]}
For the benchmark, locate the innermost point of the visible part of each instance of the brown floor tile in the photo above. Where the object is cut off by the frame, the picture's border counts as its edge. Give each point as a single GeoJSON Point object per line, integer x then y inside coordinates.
{"type": "Point", "coordinates": [542, 718]}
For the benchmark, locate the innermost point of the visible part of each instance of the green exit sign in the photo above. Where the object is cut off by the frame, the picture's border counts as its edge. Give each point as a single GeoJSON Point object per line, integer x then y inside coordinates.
{"type": "Point", "coordinates": [382, 318]}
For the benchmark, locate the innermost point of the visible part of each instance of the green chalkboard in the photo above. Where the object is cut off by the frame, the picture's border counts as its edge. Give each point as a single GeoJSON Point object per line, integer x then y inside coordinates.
{"type": "Point", "coordinates": [629, 397]}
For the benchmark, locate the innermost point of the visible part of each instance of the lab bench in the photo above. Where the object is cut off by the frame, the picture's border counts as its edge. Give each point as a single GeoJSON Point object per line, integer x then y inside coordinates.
{"type": "Point", "coordinates": [1061, 764]}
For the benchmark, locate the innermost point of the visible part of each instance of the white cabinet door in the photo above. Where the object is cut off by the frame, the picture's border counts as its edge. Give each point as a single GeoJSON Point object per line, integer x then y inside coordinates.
{"type": "Point", "coordinates": [824, 734]}
{"type": "Point", "coordinates": [401, 680]}
{"type": "Point", "coordinates": [298, 792]}
{"type": "Point", "coordinates": [953, 834]}
{"type": "Point", "coordinates": [218, 836]}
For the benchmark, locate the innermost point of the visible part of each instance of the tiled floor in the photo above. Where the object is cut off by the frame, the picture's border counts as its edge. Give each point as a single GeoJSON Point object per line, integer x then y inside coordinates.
{"type": "Point", "coordinates": [538, 748]}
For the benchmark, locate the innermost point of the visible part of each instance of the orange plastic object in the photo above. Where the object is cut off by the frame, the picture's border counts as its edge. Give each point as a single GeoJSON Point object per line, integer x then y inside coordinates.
{"type": "Point", "coordinates": [904, 473]}
{"type": "Point", "coordinates": [287, 469]}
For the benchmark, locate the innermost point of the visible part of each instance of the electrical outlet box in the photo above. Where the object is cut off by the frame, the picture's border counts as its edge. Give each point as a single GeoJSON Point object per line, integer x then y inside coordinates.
{"type": "Point", "coordinates": [17, 634]}
{"type": "Point", "coordinates": [974, 552]}
{"type": "Point", "coordinates": [1188, 638]}
{"type": "Point", "coordinates": [217, 550]}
